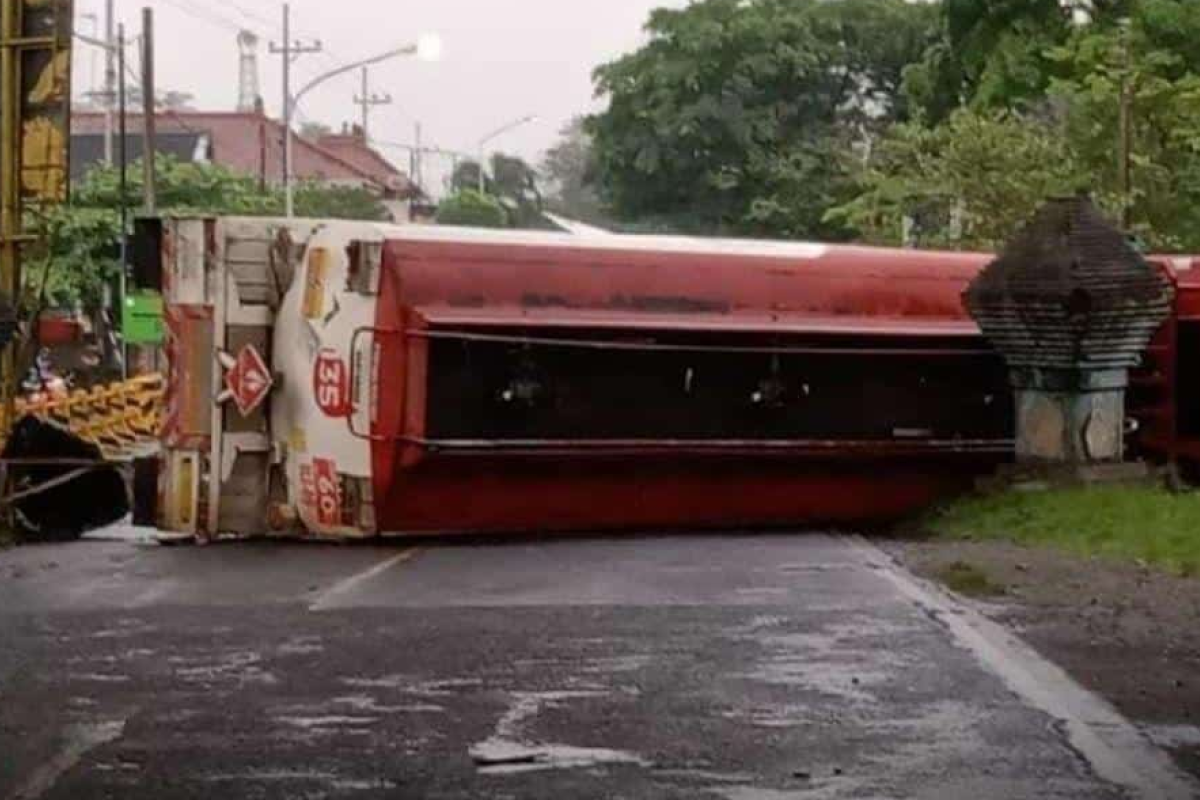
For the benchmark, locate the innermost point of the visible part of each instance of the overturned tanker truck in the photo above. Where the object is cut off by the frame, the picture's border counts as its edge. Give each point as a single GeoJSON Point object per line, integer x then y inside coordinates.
{"type": "Point", "coordinates": [350, 380]}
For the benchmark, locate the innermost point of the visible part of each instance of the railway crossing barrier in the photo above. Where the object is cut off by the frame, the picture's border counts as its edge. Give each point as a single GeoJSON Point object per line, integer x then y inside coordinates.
{"type": "Point", "coordinates": [121, 418]}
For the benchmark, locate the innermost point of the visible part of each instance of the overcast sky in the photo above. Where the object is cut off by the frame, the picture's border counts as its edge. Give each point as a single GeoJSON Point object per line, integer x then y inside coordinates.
{"type": "Point", "coordinates": [502, 59]}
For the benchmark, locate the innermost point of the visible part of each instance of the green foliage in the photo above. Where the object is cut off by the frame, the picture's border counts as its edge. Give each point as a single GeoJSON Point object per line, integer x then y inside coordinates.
{"type": "Point", "coordinates": [509, 182]}
{"type": "Point", "coordinates": [942, 123]}
{"type": "Point", "coordinates": [970, 182]}
{"type": "Point", "coordinates": [466, 176]}
{"type": "Point", "coordinates": [1128, 523]}
{"type": "Point", "coordinates": [322, 201]}
{"type": "Point", "coordinates": [1164, 95]}
{"type": "Point", "coordinates": [997, 52]}
{"type": "Point", "coordinates": [740, 116]}
{"type": "Point", "coordinates": [472, 208]}
{"type": "Point", "coordinates": [1042, 107]}
{"type": "Point", "coordinates": [79, 257]}
{"type": "Point", "coordinates": [81, 239]}
{"type": "Point", "coordinates": [515, 183]}
{"type": "Point", "coordinates": [514, 179]}
{"type": "Point", "coordinates": [569, 171]}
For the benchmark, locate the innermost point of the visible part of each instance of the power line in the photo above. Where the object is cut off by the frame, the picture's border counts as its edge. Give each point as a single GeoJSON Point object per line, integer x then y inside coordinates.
{"type": "Point", "coordinates": [213, 17]}
{"type": "Point", "coordinates": [255, 17]}
{"type": "Point", "coordinates": [205, 15]}
{"type": "Point", "coordinates": [273, 25]}
{"type": "Point", "coordinates": [438, 151]}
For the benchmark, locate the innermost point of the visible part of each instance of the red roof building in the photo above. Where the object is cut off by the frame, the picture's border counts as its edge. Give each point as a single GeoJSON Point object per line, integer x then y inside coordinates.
{"type": "Point", "coordinates": [251, 143]}
{"type": "Point", "coordinates": [351, 147]}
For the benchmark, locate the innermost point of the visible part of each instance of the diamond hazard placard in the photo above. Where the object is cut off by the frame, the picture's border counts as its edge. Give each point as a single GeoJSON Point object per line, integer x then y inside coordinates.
{"type": "Point", "coordinates": [248, 380]}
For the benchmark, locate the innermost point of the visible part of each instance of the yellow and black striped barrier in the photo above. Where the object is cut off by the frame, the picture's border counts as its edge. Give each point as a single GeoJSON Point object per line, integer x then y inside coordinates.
{"type": "Point", "coordinates": [122, 419]}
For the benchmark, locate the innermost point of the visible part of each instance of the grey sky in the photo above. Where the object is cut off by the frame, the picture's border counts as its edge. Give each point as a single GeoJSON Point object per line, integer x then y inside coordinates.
{"type": "Point", "coordinates": [501, 60]}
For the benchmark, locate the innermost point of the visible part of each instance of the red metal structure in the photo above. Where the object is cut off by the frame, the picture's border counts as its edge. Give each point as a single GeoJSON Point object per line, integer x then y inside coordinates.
{"type": "Point", "coordinates": [537, 382]}
{"type": "Point", "coordinates": [449, 380]}
{"type": "Point", "coordinates": [1164, 398]}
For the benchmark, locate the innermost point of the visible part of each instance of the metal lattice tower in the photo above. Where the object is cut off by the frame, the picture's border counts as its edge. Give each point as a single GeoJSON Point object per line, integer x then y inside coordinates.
{"type": "Point", "coordinates": [249, 94]}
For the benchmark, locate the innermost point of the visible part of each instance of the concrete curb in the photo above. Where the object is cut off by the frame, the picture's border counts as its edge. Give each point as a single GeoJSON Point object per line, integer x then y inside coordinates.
{"type": "Point", "coordinates": [1114, 747]}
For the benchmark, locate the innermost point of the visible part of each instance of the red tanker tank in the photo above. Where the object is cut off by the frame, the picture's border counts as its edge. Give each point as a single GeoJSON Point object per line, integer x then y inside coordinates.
{"type": "Point", "coordinates": [541, 381]}
{"type": "Point", "coordinates": [420, 379]}
{"type": "Point", "coordinates": [416, 379]}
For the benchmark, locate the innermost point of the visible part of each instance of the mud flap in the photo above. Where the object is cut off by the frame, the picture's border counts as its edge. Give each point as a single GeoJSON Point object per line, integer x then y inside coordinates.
{"type": "Point", "coordinates": [145, 491]}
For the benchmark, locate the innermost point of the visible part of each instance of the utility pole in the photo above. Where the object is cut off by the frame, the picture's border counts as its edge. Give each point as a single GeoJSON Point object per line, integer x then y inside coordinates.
{"type": "Point", "coordinates": [418, 152]}
{"type": "Point", "coordinates": [367, 101]}
{"type": "Point", "coordinates": [290, 51]}
{"type": "Point", "coordinates": [110, 78]}
{"type": "Point", "coordinates": [150, 124]}
{"type": "Point", "coordinates": [118, 307]}
{"type": "Point", "coordinates": [122, 145]}
{"type": "Point", "coordinates": [1125, 156]}
{"type": "Point", "coordinates": [93, 89]}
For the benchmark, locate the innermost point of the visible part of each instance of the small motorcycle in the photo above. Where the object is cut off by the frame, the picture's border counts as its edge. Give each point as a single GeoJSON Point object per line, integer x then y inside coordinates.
{"type": "Point", "coordinates": [42, 382]}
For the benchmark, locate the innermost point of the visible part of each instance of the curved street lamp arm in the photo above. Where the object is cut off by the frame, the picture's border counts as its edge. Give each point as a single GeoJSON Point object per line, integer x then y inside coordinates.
{"type": "Point", "coordinates": [408, 49]}
{"type": "Point", "coordinates": [516, 123]}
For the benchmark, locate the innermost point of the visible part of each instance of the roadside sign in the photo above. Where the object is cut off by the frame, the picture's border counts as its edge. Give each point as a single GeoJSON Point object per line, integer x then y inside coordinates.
{"type": "Point", "coordinates": [142, 320]}
{"type": "Point", "coordinates": [248, 380]}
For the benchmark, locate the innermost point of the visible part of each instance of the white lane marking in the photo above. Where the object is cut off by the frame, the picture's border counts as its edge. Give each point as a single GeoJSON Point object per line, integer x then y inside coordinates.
{"type": "Point", "coordinates": [506, 751]}
{"type": "Point", "coordinates": [79, 739]}
{"type": "Point", "coordinates": [1115, 748]}
{"type": "Point", "coordinates": [328, 599]}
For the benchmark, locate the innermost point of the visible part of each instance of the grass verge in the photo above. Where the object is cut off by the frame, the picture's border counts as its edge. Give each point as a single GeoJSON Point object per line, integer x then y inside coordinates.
{"type": "Point", "coordinates": [1133, 523]}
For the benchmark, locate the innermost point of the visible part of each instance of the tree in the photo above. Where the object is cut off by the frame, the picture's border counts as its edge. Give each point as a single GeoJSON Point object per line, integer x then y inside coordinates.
{"type": "Point", "coordinates": [78, 256]}
{"type": "Point", "coordinates": [513, 184]}
{"type": "Point", "coordinates": [473, 208]}
{"type": "Point", "coordinates": [514, 179]}
{"type": "Point", "coordinates": [992, 54]}
{"type": "Point", "coordinates": [569, 173]}
{"type": "Point", "coordinates": [324, 201]}
{"type": "Point", "coordinates": [1022, 98]}
{"type": "Point", "coordinates": [165, 100]}
{"type": "Point", "coordinates": [968, 183]}
{"type": "Point", "coordinates": [466, 176]}
{"type": "Point", "coordinates": [1096, 66]}
{"type": "Point", "coordinates": [744, 115]}
{"type": "Point", "coordinates": [80, 240]}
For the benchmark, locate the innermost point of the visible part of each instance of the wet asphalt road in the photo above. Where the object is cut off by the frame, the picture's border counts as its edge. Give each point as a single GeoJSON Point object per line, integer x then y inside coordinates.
{"type": "Point", "coordinates": [744, 668]}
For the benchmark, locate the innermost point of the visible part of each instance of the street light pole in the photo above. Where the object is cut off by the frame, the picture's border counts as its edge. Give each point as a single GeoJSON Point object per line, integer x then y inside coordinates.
{"type": "Point", "coordinates": [149, 123]}
{"type": "Point", "coordinates": [287, 103]}
{"type": "Point", "coordinates": [289, 50]}
{"type": "Point", "coordinates": [110, 78]}
{"type": "Point", "coordinates": [499, 131]}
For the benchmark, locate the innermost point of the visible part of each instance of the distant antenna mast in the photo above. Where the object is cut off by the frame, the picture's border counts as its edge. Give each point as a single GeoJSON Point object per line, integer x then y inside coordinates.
{"type": "Point", "coordinates": [248, 89]}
